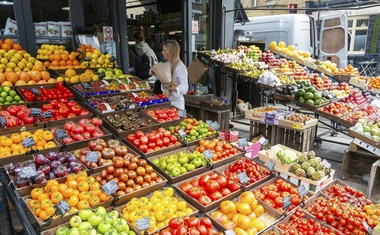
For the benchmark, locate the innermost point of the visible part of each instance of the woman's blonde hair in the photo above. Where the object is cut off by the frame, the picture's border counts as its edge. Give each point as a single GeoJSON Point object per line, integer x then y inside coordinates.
{"type": "Point", "coordinates": [174, 51]}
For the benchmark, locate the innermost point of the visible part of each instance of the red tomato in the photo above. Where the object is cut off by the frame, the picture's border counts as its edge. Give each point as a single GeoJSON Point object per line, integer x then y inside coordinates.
{"type": "Point", "coordinates": [186, 186]}
{"type": "Point", "coordinates": [204, 200]}
{"type": "Point", "coordinates": [216, 196]}
{"type": "Point", "coordinates": [194, 192]}
{"type": "Point", "coordinates": [212, 186]}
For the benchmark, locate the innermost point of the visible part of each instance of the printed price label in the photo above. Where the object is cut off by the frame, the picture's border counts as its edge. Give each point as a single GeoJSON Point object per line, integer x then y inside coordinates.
{"type": "Point", "coordinates": [297, 126]}
{"type": "Point", "coordinates": [263, 141]}
{"type": "Point", "coordinates": [208, 122]}
{"type": "Point", "coordinates": [302, 190]}
{"type": "Point", "coordinates": [27, 172]}
{"type": "Point", "coordinates": [229, 232]}
{"type": "Point", "coordinates": [243, 177]}
{"type": "Point", "coordinates": [91, 156]}
{"type": "Point", "coordinates": [214, 125]}
{"type": "Point", "coordinates": [36, 92]}
{"type": "Point", "coordinates": [326, 163]}
{"type": "Point", "coordinates": [182, 133]}
{"type": "Point", "coordinates": [60, 134]}
{"type": "Point", "coordinates": [207, 154]}
{"type": "Point", "coordinates": [286, 203]}
{"type": "Point", "coordinates": [143, 224]}
{"type": "Point", "coordinates": [367, 227]}
{"type": "Point", "coordinates": [182, 113]}
{"type": "Point", "coordinates": [132, 106]}
{"type": "Point", "coordinates": [243, 142]}
{"type": "Point", "coordinates": [86, 85]}
{"type": "Point", "coordinates": [110, 187]}
{"type": "Point", "coordinates": [35, 112]}
{"type": "Point", "coordinates": [105, 82]}
{"type": "Point", "coordinates": [271, 165]}
{"type": "Point", "coordinates": [87, 59]}
{"type": "Point", "coordinates": [47, 114]}
{"type": "Point", "coordinates": [63, 207]}
{"type": "Point", "coordinates": [28, 142]}
{"type": "Point", "coordinates": [134, 95]}
{"type": "Point", "coordinates": [3, 122]}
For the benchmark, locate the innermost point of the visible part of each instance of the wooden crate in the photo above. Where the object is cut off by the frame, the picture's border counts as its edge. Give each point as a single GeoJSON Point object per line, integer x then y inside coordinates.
{"type": "Point", "coordinates": [300, 140]}
{"type": "Point", "coordinates": [269, 131]}
{"type": "Point", "coordinates": [222, 116]}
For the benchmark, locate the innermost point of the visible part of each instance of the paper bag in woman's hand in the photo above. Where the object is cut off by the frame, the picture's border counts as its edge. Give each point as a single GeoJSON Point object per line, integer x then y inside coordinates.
{"type": "Point", "coordinates": [162, 72]}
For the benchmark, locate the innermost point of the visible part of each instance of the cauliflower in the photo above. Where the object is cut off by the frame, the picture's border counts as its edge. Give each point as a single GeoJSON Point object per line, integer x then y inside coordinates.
{"type": "Point", "coordinates": [310, 171]}
{"type": "Point", "coordinates": [317, 175]}
{"type": "Point", "coordinates": [296, 166]}
{"type": "Point", "coordinates": [300, 172]}
{"type": "Point", "coordinates": [305, 165]}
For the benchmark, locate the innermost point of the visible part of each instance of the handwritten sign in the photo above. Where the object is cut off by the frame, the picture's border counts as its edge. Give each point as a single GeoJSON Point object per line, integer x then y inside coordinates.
{"type": "Point", "coordinates": [47, 114]}
{"type": "Point", "coordinates": [182, 133]}
{"type": "Point", "coordinates": [367, 227]}
{"type": "Point", "coordinates": [3, 122]}
{"type": "Point", "coordinates": [27, 172]}
{"type": "Point", "coordinates": [207, 154]}
{"type": "Point", "coordinates": [263, 141]}
{"type": "Point", "coordinates": [143, 224]}
{"type": "Point", "coordinates": [35, 112]}
{"type": "Point", "coordinates": [28, 142]}
{"type": "Point", "coordinates": [110, 187]}
{"type": "Point", "coordinates": [60, 134]}
{"type": "Point", "coordinates": [91, 156]}
{"type": "Point", "coordinates": [271, 165]}
{"type": "Point", "coordinates": [243, 142]}
{"type": "Point", "coordinates": [302, 191]}
{"type": "Point", "coordinates": [36, 92]}
{"type": "Point", "coordinates": [63, 207]}
{"type": "Point", "coordinates": [182, 113]}
{"type": "Point", "coordinates": [134, 95]}
{"type": "Point", "coordinates": [86, 85]}
{"type": "Point", "coordinates": [208, 122]}
{"type": "Point", "coordinates": [214, 125]}
{"type": "Point", "coordinates": [286, 203]}
{"type": "Point", "coordinates": [243, 177]}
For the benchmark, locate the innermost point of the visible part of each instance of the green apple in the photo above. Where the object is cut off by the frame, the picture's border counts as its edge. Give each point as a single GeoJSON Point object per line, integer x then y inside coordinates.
{"type": "Point", "coordinates": [183, 159]}
{"type": "Point", "coordinates": [9, 99]}
{"type": "Point", "coordinates": [2, 100]}
{"type": "Point", "coordinates": [196, 162]}
{"type": "Point", "coordinates": [103, 227]}
{"type": "Point", "coordinates": [101, 211]}
{"type": "Point", "coordinates": [156, 161]}
{"type": "Point", "coordinates": [121, 225]}
{"type": "Point", "coordinates": [12, 93]}
{"type": "Point", "coordinates": [4, 94]}
{"type": "Point", "coordinates": [17, 98]}
{"type": "Point", "coordinates": [169, 166]}
{"type": "Point", "coordinates": [84, 226]}
{"type": "Point", "coordinates": [183, 170]}
{"type": "Point", "coordinates": [62, 231]}
{"type": "Point", "coordinates": [95, 219]}
{"type": "Point", "coordinates": [84, 214]}
{"type": "Point", "coordinates": [190, 167]}
{"type": "Point", "coordinates": [75, 221]}
{"type": "Point", "coordinates": [92, 232]}
{"type": "Point", "coordinates": [74, 231]}
{"type": "Point", "coordinates": [101, 70]}
{"type": "Point", "coordinates": [175, 171]}
{"type": "Point", "coordinates": [6, 88]}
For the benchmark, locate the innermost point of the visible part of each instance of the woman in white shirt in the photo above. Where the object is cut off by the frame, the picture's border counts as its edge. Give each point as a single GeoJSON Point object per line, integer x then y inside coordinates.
{"type": "Point", "coordinates": [171, 51]}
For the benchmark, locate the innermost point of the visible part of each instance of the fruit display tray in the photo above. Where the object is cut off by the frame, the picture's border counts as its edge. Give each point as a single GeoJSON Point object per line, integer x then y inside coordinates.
{"type": "Point", "coordinates": [120, 208]}
{"type": "Point", "coordinates": [181, 177]}
{"type": "Point", "coordinates": [198, 205]}
{"type": "Point", "coordinates": [123, 134]}
{"type": "Point", "coordinates": [267, 209]}
{"type": "Point", "coordinates": [160, 107]}
{"type": "Point", "coordinates": [278, 164]}
{"type": "Point", "coordinates": [363, 138]}
{"type": "Point", "coordinates": [297, 125]}
{"type": "Point", "coordinates": [250, 186]}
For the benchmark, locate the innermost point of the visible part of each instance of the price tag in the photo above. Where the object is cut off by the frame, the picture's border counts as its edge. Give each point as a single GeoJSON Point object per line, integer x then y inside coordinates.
{"type": "Point", "coordinates": [110, 187]}
{"type": "Point", "coordinates": [36, 92]}
{"type": "Point", "coordinates": [86, 85]}
{"type": "Point", "coordinates": [143, 224]}
{"type": "Point", "coordinates": [208, 122]}
{"type": "Point", "coordinates": [302, 191]}
{"type": "Point", "coordinates": [47, 114]}
{"type": "Point", "coordinates": [131, 70]}
{"type": "Point", "coordinates": [367, 227]}
{"type": "Point", "coordinates": [63, 207]}
{"type": "Point", "coordinates": [297, 126]}
{"type": "Point", "coordinates": [286, 203]}
{"type": "Point", "coordinates": [35, 112]}
{"type": "Point", "coordinates": [182, 133]}
{"type": "Point", "coordinates": [214, 125]}
{"type": "Point", "coordinates": [182, 113]}
{"type": "Point", "coordinates": [91, 156]}
{"type": "Point", "coordinates": [207, 154]}
{"type": "Point", "coordinates": [101, 75]}
{"type": "Point", "coordinates": [86, 59]}
{"type": "Point", "coordinates": [105, 82]}
{"type": "Point", "coordinates": [229, 232]}
{"type": "Point", "coordinates": [3, 122]}
{"type": "Point", "coordinates": [263, 141]}
{"type": "Point", "coordinates": [112, 59]}
{"type": "Point", "coordinates": [271, 165]}
{"type": "Point", "coordinates": [60, 134]}
{"type": "Point", "coordinates": [134, 95]}
{"type": "Point", "coordinates": [27, 172]}
{"type": "Point", "coordinates": [28, 142]}
{"type": "Point", "coordinates": [243, 142]}
{"type": "Point", "coordinates": [243, 177]}
{"type": "Point", "coordinates": [132, 106]}
{"type": "Point", "coordinates": [108, 107]}
{"type": "Point", "coordinates": [326, 163]}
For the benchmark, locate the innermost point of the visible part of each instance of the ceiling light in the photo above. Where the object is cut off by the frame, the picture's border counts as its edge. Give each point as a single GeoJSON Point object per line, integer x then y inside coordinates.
{"type": "Point", "coordinates": [6, 3]}
{"type": "Point", "coordinates": [66, 8]}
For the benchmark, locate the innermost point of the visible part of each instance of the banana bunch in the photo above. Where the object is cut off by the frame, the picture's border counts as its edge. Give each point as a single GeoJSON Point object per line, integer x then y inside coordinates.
{"type": "Point", "coordinates": [284, 79]}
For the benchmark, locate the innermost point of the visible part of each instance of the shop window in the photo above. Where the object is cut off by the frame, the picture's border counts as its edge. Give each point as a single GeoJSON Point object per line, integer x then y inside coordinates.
{"type": "Point", "coordinates": [6, 17]}
{"type": "Point", "coordinates": [358, 29]}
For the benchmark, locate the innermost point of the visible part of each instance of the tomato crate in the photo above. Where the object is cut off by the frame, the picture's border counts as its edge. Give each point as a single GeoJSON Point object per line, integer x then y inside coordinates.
{"type": "Point", "coordinates": [120, 209]}
{"type": "Point", "coordinates": [268, 214]}
{"type": "Point", "coordinates": [204, 208]}
{"type": "Point", "coordinates": [309, 184]}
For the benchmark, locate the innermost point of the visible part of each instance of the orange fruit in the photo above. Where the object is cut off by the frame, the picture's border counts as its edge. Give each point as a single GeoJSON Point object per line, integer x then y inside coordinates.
{"type": "Point", "coordinates": [57, 57]}
{"type": "Point", "coordinates": [11, 77]}
{"type": "Point", "coordinates": [45, 75]}
{"type": "Point", "coordinates": [16, 47]}
{"type": "Point", "coordinates": [35, 76]}
{"type": "Point", "coordinates": [70, 73]}
{"type": "Point", "coordinates": [65, 57]}
{"type": "Point", "coordinates": [38, 67]}
{"type": "Point", "coordinates": [8, 41]}
{"type": "Point", "coordinates": [6, 47]}
{"type": "Point", "coordinates": [24, 76]}
{"type": "Point", "coordinates": [47, 64]}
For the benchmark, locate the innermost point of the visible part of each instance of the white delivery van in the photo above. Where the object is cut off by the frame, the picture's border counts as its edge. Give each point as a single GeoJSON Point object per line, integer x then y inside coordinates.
{"type": "Point", "coordinates": [299, 30]}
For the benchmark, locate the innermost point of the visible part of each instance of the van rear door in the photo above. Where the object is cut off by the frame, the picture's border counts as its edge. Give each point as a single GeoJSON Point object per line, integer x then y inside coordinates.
{"type": "Point", "coordinates": [333, 39]}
